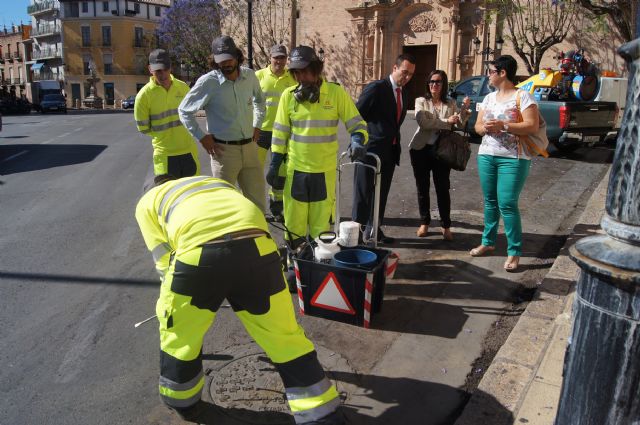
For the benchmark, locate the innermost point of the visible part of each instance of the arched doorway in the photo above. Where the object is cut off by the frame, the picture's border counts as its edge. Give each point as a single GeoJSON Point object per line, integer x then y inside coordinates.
{"type": "Point", "coordinates": [426, 57]}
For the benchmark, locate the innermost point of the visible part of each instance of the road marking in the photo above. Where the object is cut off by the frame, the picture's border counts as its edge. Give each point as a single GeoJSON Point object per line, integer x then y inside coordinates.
{"type": "Point", "coordinates": [14, 156]}
{"type": "Point", "coordinates": [63, 135]}
{"type": "Point", "coordinates": [77, 129]}
{"type": "Point", "coordinates": [47, 142]}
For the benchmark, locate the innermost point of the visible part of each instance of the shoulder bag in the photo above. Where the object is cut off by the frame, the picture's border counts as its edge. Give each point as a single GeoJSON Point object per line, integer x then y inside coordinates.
{"type": "Point", "coordinates": [537, 142]}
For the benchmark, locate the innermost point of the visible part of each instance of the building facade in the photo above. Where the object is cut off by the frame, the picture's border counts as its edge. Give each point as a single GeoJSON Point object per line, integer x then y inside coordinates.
{"type": "Point", "coordinates": [46, 62]}
{"type": "Point", "coordinates": [14, 56]}
{"type": "Point", "coordinates": [361, 39]}
{"type": "Point", "coordinates": [113, 38]}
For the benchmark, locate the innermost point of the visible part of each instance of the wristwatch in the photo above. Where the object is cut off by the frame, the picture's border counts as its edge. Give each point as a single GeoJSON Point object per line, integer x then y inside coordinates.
{"type": "Point", "coordinates": [505, 127]}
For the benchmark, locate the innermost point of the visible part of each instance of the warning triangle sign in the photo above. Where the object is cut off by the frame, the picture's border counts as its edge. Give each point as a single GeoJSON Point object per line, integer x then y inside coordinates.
{"type": "Point", "coordinates": [331, 296]}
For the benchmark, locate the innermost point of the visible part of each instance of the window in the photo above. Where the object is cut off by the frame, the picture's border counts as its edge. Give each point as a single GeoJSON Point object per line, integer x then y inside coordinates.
{"type": "Point", "coordinates": [85, 64]}
{"type": "Point", "coordinates": [86, 36]}
{"type": "Point", "coordinates": [105, 6]}
{"type": "Point", "coordinates": [20, 74]}
{"type": "Point", "coordinates": [85, 7]}
{"type": "Point", "coordinates": [157, 10]}
{"type": "Point", "coordinates": [138, 37]}
{"type": "Point", "coordinates": [107, 59]}
{"type": "Point", "coordinates": [139, 87]}
{"type": "Point", "coordinates": [136, 7]}
{"type": "Point", "coordinates": [106, 36]}
{"type": "Point", "coordinates": [109, 91]}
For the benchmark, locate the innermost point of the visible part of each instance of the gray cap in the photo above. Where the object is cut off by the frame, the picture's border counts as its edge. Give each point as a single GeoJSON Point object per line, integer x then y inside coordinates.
{"type": "Point", "coordinates": [224, 48]}
{"type": "Point", "coordinates": [278, 50]}
{"type": "Point", "coordinates": [301, 57]}
{"type": "Point", "coordinates": [159, 59]}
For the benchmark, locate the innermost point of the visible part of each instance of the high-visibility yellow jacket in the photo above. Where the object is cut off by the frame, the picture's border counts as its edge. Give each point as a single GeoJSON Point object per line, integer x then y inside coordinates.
{"type": "Point", "coordinates": [308, 132]}
{"type": "Point", "coordinates": [183, 214]}
{"type": "Point", "coordinates": [272, 86]}
{"type": "Point", "coordinates": [156, 115]}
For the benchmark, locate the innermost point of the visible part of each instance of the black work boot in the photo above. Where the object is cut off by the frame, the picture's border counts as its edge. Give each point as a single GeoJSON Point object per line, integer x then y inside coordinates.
{"type": "Point", "coordinates": [335, 418]}
{"type": "Point", "coordinates": [195, 413]}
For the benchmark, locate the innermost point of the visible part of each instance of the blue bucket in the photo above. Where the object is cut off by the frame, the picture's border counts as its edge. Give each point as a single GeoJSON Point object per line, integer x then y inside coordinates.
{"type": "Point", "coordinates": [355, 258]}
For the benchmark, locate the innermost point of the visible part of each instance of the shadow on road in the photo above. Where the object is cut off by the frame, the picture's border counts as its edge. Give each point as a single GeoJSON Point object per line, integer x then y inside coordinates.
{"type": "Point", "coordinates": [61, 278]}
{"type": "Point", "coordinates": [40, 157]}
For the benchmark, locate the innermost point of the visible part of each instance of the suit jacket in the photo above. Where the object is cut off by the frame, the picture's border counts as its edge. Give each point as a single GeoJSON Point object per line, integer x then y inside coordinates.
{"type": "Point", "coordinates": [377, 105]}
{"type": "Point", "coordinates": [431, 120]}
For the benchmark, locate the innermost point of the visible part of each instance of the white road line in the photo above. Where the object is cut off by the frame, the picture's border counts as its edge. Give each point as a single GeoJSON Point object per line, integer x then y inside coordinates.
{"type": "Point", "coordinates": [63, 135]}
{"type": "Point", "coordinates": [47, 142]}
{"type": "Point", "coordinates": [77, 129]}
{"type": "Point", "coordinates": [14, 156]}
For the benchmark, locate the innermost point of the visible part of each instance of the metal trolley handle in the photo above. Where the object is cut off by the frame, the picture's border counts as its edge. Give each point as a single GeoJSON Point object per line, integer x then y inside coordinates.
{"type": "Point", "coordinates": [376, 195]}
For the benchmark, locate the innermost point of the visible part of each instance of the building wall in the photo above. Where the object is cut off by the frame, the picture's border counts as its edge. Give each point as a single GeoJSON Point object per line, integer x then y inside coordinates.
{"type": "Point", "coordinates": [13, 58]}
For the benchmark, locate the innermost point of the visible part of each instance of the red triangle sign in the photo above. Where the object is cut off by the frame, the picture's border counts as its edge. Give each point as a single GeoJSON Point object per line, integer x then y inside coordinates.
{"type": "Point", "coordinates": [331, 296]}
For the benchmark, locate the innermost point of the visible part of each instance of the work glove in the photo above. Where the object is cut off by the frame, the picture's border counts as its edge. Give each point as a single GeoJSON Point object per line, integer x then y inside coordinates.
{"type": "Point", "coordinates": [357, 150]}
{"type": "Point", "coordinates": [274, 180]}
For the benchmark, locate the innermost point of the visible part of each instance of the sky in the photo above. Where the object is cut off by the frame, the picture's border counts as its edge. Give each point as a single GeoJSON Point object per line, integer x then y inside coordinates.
{"type": "Point", "coordinates": [14, 11]}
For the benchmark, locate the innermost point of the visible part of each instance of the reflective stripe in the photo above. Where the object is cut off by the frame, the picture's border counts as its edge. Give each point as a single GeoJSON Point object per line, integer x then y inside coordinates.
{"type": "Point", "coordinates": [272, 103]}
{"type": "Point", "coordinates": [175, 386]}
{"type": "Point", "coordinates": [147, 131]}
{"type": "Point", "coordinates": [296, 393]}
{"type": "Point", "coordinates": [278, 141]}
{"type": "Point", "coordinates": [314, 123]}
{"type": "Point", "coordinates": [280, 127]}
{"type": "Point", "coordinates": [353, 121]}
{"type": "Point", "coordinates": [191, 192]}
{"type": "Point", "coordinates": [176, 188]}
{"type": "Point", "coordinates": [160, 251]}
{"type": "Point", "coordinates": [170, 124]}
{"type": "Point", "coordinates": [272, 93]}
{"type": "Point", "coordinates": [358, 127]}
{"type": "Point", "coordinates": [146, 123]}
{"type": "Point", "coordinates": [316, 413]}
{"type": "Point", "coordinates": [314, 139]}
{"type": "Point", "coordinates": [177, 402]}
{"type": "Point", "coordinates": [164, 114]}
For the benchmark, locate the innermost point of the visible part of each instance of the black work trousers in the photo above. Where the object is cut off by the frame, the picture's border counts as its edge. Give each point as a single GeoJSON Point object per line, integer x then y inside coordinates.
{"type": "Point", "coordinates": [424, 163]}
{"type": "Point", "coordinates": [363, 191]}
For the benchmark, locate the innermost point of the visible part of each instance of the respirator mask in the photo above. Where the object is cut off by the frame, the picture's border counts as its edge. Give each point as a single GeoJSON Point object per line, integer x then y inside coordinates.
{"type": "Point", "coordinates": [304, 92]}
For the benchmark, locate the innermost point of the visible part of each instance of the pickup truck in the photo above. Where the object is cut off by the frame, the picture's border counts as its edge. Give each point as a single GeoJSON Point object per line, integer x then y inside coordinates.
{"type": "Point", "coordinates": [570, 124]}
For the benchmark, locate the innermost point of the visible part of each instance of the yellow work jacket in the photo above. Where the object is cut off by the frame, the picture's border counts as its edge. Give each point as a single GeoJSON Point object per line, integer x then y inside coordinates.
{"type": "Point", "coordinates": [156, 115]}
{"type": "Point", "coordinates": [308, 132]}
{"type": "Point", "coordinates": [272, 86]}
{"type": "Point", "coordinates": [182, 214]}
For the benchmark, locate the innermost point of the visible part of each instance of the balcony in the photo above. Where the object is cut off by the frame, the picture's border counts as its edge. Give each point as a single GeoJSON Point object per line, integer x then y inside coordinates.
{"type": "Point", "coordinates": [16, 81]}
{"type": "Point", "coordinates": [46, 54]}
{"type": "Point", "coordinates": [17, 56]}
{"type": "Point", "coordinates": [8, 57]}
{"type": "Point", "coordinates": [45, 30]}
{"type": "Point", "coordinates": [43, 7]}
{"type": "Point", "coordinates": [6, 82]}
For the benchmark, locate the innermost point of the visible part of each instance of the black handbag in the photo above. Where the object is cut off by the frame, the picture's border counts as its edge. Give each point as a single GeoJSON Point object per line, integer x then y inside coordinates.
{"type": "Point", "coordinates": [453, 149]}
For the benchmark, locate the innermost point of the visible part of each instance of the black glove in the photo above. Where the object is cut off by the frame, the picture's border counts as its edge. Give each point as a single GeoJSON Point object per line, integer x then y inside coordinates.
{"type": "Point", "coordinates": [357, 150]}
{"type": "Point", "coordinates": [273, 179]}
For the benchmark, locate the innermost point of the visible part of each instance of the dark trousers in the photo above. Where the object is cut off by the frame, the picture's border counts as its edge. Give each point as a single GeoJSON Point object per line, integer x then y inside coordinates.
{"type": "Point", "coordinates": [363, 191]}
{"type": "Point", "coordinates": [424, 163]}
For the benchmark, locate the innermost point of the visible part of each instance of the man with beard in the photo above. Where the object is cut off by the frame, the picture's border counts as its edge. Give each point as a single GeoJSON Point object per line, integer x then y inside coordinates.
{"type": "Point", "coordinates": [306, 130]}
{"type": "Point", "coordinates": [235, 106]}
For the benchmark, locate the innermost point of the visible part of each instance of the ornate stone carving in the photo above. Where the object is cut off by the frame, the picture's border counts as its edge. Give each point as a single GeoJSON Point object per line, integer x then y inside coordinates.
{"type": "Point", "coordinates": [423, 22]}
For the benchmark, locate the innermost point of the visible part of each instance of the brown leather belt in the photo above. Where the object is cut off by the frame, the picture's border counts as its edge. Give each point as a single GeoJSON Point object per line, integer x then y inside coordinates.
{"type": "Point", "coordinates": [241, 234]}
{"type": "Point", "coordinates": [234, 142]}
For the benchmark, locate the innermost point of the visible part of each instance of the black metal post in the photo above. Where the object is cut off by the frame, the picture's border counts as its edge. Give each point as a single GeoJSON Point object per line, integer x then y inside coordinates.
{"type": "Point", "coordinates": [601, 383]}
{"type": "Point", "coordinates": [250, 32]}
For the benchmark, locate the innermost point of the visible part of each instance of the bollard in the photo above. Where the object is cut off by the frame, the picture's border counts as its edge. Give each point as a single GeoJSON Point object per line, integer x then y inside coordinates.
{"type": "Point", "coordinates": [601, 383]}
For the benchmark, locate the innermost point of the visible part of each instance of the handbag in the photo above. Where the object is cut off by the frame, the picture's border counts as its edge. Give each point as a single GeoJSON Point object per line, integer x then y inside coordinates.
{"type": "Point", "coordinates": [453, 149]}
{"type": "Point", "coordinates": [537, 142]}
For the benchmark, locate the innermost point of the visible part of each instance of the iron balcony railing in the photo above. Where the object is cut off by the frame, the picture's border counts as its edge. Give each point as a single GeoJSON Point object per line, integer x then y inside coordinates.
{"type": "Point", "coordinates": [7, 56]}
{"type": "Point", "coordinates": [16, 81]}
{"type": "Point", "coordinates": [46, 53]}
{"type": "Point", "coordinates": [16, 55]}
{"type": "Point", "coordinates": [43, 6]}
{"type": "Point", "coordinates": [43, 30]}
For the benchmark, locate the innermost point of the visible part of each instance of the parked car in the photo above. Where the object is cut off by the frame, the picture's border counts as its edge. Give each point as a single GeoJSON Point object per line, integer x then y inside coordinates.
{"type": "Point", "coordinates": [129, 102]}
{"type": "Point", "coordinates": [570, 124]}
{"type": "Point", "coordinates": [15, 106]}
{"type": "Point", "coordinates": [53, 102]}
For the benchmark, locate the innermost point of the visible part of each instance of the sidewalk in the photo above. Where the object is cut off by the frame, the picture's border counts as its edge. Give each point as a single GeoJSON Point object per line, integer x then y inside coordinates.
{"type": "Point", "coordinates": [525, 377]}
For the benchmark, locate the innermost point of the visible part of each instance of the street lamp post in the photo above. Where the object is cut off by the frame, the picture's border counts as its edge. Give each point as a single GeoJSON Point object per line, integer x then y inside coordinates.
{"type": "Point", "coordinates": [602, 362]}
{"type": "Point", "coordinates": [250, 32]}
{"type": "Point", "coordinates": [487, 51]}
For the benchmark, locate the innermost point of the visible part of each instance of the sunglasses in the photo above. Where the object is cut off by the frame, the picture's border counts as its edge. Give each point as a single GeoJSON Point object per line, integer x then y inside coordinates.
{"type": "Point", "coordinates": [435, 82]}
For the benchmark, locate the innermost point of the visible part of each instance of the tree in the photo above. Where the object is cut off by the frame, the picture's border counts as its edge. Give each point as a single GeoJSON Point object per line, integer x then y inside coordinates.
{"type": "Point", "coordinates": [622, 13]}
{"type": "Point", "coordinates": [271, 25]}
{"type": "Point", "coordinates": [534, 26]}
{"type": "Point", "coordinates": [187, 30]}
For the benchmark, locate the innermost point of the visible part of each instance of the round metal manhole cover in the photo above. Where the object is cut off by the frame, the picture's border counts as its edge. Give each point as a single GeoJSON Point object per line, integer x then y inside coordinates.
{"type": "Point", "coordinates": [250, 390]}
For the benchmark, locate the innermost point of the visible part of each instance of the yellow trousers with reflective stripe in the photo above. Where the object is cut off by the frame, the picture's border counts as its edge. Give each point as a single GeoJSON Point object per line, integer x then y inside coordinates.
{"type": "Point", "coordinates": [248, 273]}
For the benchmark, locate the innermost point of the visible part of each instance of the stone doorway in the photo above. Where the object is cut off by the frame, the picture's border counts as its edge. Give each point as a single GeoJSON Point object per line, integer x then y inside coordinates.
{"type": "Point", "coordinates": [426, 57]}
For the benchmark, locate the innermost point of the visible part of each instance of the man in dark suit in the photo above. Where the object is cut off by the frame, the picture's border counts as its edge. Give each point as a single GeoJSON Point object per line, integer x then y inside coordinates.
{"type": "Point", "coordinates": [383, 105]}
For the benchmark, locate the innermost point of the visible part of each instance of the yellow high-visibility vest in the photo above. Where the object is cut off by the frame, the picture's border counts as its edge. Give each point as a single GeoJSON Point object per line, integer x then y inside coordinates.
{"type": "Point", "coordinates": [272, 86]}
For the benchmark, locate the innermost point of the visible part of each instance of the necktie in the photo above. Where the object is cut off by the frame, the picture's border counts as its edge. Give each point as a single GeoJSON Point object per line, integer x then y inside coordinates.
{"type": "Point", "coordinates": [398, 109]}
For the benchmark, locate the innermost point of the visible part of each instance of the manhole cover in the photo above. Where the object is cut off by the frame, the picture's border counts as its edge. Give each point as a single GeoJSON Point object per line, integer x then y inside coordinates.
{"type": "Point", "coordinates": [250, 390]}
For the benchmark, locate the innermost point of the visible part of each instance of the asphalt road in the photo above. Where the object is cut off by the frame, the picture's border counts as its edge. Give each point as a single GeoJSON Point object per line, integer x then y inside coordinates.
{"type": "Point", "coordinates": [75, 277]}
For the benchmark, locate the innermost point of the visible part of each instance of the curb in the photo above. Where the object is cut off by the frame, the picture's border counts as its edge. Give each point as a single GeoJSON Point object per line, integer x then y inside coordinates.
{"type": "Point", "coordinates": [523, 382]}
